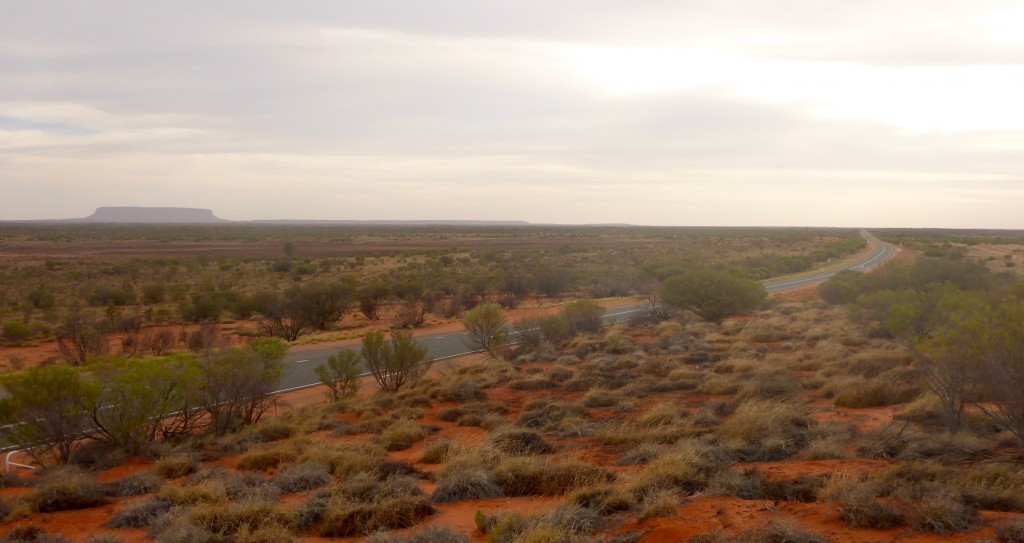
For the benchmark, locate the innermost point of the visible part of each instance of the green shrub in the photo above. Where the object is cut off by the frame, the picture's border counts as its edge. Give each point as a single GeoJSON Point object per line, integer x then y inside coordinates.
{"type": "Point", "coordinates": [15, 332]}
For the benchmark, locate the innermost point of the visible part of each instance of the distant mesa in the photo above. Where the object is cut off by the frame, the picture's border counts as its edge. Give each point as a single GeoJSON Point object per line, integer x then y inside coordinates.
{"type": "Point", "coordinates": [155, 215]}
{"type": "Point", "coordinates": [191, 215]}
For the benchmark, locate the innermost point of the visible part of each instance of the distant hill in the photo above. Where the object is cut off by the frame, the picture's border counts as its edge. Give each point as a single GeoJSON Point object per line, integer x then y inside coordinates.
{"type": "Point", "coordinates": [155, 215]}
{"type": "Point", "coordinates": [191, 215]}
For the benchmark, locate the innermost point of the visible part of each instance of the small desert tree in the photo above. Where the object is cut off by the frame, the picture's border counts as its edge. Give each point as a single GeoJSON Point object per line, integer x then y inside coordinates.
{"type": "Point", "coordinates": [712, 295]}
{"type": "Point", "coordinates": [1002, 338]}
{"type": "Point", "coordinates": [486, 326]}
{"type": "Point", "coordinates": [321, 303]}
{"type": "Point", "coordinates": [340, 374]}
{"type": "Point", "coordinates": [42, 411]}
{"type": "Point", "coordinates": [583, 315]}
{"type": "Point", "coordinates": [78, 339]}
{"type": "Point", "coordinates": [238, 382]}
{"type": "Point", "coordinates": [133, 401]}
{"type": "Point", "coordinates": [394, 362]}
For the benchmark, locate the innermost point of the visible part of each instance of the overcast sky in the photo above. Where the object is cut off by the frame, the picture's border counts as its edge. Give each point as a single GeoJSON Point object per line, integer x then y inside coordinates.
{"type": "Point", "coordinates": [717, 112]}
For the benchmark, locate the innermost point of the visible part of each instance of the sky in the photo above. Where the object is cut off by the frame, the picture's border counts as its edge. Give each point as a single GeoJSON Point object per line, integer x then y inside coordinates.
{"type": "Point", "coordinates": [868, 113]}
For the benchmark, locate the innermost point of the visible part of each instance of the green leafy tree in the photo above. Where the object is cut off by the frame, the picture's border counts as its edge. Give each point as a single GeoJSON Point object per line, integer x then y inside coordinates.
{"type": "Point", "coordinates": [486, 325]}
{"type": "Point", "coordinates": [1001, 337]}
{"type": "Point", "coordinates": [841, 288]}
{"type": "Point", "coordinates": [16, 332]}
{"type": "Point", "coordinates": [371, 297]}
{"type": "Point", "coordinates": [583, 315]}
{"type": "Point", "coordinates": [42, 411]}
{"type": "Point", "coordinates": [238, 382]}
{"type": "Point", "coordinates": [321, 303]}
{"type": "Point", "coordinates": [340, 375]}
{"type": "Point", "coordinates": [394, 362]}
{"type": "Point", "coordinates": [712, 295]}
{"type": "Point", "coordinates": [78, 339]}
{"type": "Point", "coordinates": [133, 401]}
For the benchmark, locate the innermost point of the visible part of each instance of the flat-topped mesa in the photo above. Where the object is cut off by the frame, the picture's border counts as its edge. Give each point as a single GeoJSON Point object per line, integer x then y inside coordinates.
{"type": "Point", "coordinates": [156, 215]}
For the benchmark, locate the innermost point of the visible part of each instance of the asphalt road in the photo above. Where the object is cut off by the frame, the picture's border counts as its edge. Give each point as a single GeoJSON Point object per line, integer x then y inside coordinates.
{"type": "Point", "coordinates": [299, 366]}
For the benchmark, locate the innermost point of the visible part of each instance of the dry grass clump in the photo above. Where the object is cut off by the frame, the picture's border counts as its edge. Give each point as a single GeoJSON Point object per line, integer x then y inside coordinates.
{"type": "Point", "coordinates": [64, 489]}
{"type": "Point", "coordinates": [568, 523]}
{"type": "Point", "coordinates": [599, 397]}
{"type": "Point", "coordinates": [661, 414]}
{"type": "Point", "coordinates": [364, 504]}
{"type": "Point", "coordinates": [943, 512]}
{"type": "Point", "coordinates": [140, 514]}
{"type": "Point", "coordinates": [473, 483]}
{"type": "Point", "coordinates": [474, 414]}
{"type": "Point", "coordinates": [629, 433]}
{"type": "Point", "coordinates": [271, 430]}
{"type": "Point", "coordinates": [766, 429]}
{"type": "Point", "coordinates": [769, 384]}
{"type": "Point", "coordinates": [520, 441]}
{"type": "Point", "coordinates": [775, 531]}
{"type": "Point", "coordinates": [303, 476]}
{"type": "Point", "coordinates": [643, 453]}
{"type": "Point", "coordinates": [859, 504]}
{"type": "Point", "coordinates": [31, 532]}
{"type": "Point", "coordinates": [344, 459]}
{"type": "Point", "coordinates": [464, 391]}
{"type": "Point", "coordinates": [686, 468]}
{"type": "Point", "coordinates": [529, 475]}
{"type": "Point", "coordinates": [234, 519]}
{"type": "Point", "coordinates": [437, 452]}
{"type": "Point", "coordinates": [603, 498]}
{"type": "Point", "coordinates": [136, 484]}
{"type": "Point", "coordinates": [534, 383]}
{"type": "Point", "coordinates": [546, 414]}
{"type": "Point", "coordinates": [401, 435]}
{"type": "Point", "coordinates": [865, 392]}
{"type": "Point", "coordinates": [668, 330]}
{"type": "Point", "coordinates": [266, 459]}
{"type": "Point", "coordinates": [174, 466]}
{"type": "Point", "coordinates": [433, 534]}
{"type": "Point", "coordinates": [721, 384]}
{"type": "Point", "coordinates": [1011, 531]}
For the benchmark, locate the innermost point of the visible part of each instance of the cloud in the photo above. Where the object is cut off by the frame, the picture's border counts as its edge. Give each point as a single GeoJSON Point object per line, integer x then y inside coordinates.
{"type": "Point", "coordinates": [653, 112]}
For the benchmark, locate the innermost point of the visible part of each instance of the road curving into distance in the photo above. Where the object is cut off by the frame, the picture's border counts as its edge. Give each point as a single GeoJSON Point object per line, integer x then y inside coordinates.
{"type": "Point", "coordinates": [299, 366]}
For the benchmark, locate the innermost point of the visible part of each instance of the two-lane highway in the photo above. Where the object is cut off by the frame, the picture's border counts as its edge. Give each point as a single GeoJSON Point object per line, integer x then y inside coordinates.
{"type": "Point", "coordinates": [300, 365]}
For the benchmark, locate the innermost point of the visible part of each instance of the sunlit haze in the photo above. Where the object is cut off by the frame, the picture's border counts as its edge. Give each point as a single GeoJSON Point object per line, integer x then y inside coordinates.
{"type": "Point", "coordinates": [874, 113]}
